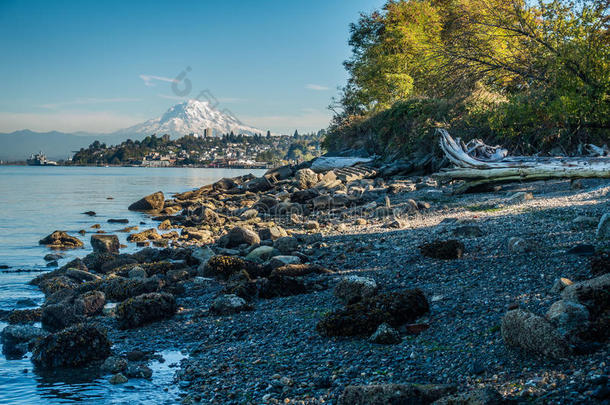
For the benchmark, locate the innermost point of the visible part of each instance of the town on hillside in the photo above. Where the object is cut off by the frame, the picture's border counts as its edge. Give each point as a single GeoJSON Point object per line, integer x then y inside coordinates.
{"type": "Point", "coordinates": [229, 150]}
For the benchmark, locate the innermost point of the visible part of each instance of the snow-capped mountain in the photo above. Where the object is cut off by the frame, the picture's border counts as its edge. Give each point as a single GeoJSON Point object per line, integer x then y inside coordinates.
{"type": "Point", "coordinates": [191, 116]}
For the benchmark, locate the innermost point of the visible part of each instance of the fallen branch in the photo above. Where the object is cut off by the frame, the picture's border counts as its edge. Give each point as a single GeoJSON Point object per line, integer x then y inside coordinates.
{"type": "Point", "coordinates": [491, 165]}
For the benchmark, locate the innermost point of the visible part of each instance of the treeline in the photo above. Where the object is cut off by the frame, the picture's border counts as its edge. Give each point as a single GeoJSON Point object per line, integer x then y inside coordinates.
{"type": "Point", "coordinates": [191, 150]}
{"type": "Point", "coordinates": [531, 75]}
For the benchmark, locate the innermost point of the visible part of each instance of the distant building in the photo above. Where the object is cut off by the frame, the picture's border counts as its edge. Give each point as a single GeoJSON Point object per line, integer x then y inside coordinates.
{"type": "Point", "coordinates": [208, 133]}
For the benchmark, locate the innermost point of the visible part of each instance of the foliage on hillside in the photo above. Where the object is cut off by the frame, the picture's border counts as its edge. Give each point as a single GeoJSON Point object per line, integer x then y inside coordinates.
{"type": "Point", "coordinates": [190, 150]}
{"type": "Point", "coordinates": [531, 75]}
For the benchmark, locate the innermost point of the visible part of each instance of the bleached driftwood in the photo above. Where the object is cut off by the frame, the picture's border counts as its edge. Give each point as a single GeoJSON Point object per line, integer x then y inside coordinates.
{"type": "Point", "coordinates": [326, 163]}
{"type": "Point", "coordinates": [489, 166]}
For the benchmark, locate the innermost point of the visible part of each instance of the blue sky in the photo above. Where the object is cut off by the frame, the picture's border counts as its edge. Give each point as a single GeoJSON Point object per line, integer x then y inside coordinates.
{"type": "Point", "coordinates": [99, 66]}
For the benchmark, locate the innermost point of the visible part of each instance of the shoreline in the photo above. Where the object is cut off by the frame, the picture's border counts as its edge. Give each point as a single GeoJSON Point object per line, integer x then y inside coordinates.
{"type": "Point", "coordinates": [303, 234]}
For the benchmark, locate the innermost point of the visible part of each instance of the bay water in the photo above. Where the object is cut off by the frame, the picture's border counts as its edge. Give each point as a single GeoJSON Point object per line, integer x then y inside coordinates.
{"type": "Point", "coordinates": [35, 201]}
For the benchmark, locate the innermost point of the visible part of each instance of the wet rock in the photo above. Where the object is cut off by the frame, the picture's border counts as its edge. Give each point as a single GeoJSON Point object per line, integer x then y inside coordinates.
{"type": "Point", "coordinates": [152, 202]}
{"type": "Point", "coordinates": [603, 228]}
{"type": "Point", "coordinates": [305, 178]}
{"type": "Point", "coordinates": [105, 243]}
{"type": "Point", "coordinates": [53, 264]}
{"type": "Point", "coordinates": [570, 318]}
{"type": "Point", "coordinates": [439, 249]}
{"type": "Point", "coordinates": [286, 245]}
{"type": "Point", "coordinates": [89, 213]}
{"type": "Point", "coordinates": [20, 316]}
{"type": "Point", "coordinates": [55, 284]}
{"type": "Point", "coordinates": [118, 378]}
{"type": "Point", "coordinates": [482, 396]}
{"type": "Point", "coordinates": [228, 304]}
{"type": "Point", "coordinates": [118, 221]}
{"type": "Point", "coordinates": [363, 318]}
{"type": "Point", "coordinates": [533, 333]}
{"type": "Point", "coordinates": [71, 309]}
{"type": "Point", "coordinates": [114, 364]}
{"type": "Point", "coordinates": [51, 257]}
{"type": "Point", "coordinates": [15, 338]}
{"type": "Point", "coordinates": [385, 335]}
{"type": "Point", "coordinates": [352, 289]}
{"type": "Point", "coordinates": [412, 394]}
{"type": "Point", "coordinates": [75, 346]}
{"type": "Point", "coordinates": [61, 240]}
{"type": "Point", "coordinates": [208, 216]}
{"type": "Point", "coordinates": [197, 234]}
{"type": "Point", "coordinates": [144, 309]}
{"type": "Point", "coordinates": [138, 371]}
{"type": "Point", "coordinates": [238, 236]}
{"type": "Point", "coordinates": [149, 234]}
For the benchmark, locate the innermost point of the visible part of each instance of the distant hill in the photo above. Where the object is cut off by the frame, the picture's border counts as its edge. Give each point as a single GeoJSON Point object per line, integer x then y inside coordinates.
{"type": "Point", "coordinates": [181, 119]}
{"type": "Point", "coordinates": [19, 145]}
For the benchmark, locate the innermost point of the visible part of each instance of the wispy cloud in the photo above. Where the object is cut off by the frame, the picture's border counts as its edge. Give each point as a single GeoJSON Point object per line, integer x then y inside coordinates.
{"type": "Point", "coordinates": [149, 80]}
{"type": "Point", "coordinates": [85, 101]}
{"type": "Point", "coordinates": [316, 87]}
{"type": "Point", "coordinates": [171, 97]}
{"type": "Point", "coordinates": [67, 121]}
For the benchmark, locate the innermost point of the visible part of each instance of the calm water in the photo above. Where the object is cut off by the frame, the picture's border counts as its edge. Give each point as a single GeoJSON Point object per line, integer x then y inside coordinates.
{"type": "Point", "coordinates": [35, 201]}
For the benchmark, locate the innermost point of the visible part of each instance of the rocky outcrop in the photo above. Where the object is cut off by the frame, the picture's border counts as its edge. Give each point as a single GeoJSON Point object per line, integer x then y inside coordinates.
{"type": "Point", "coordinates": [105, 243]}
{"type": "Point", "coordinates": [61, 240]}
{"type": "Point", "coordinates": [533, 333]}
{"type": "Point", "coordinates": [152, 202]}
{"type": "Point", "coordinates": [411, 394]}
{"type": "Point", "coordinates": [305, 178]}
{"type": "Point", "coordinates": [72, 309]}
{"type": "Point", "coordinates": [364, 317]}
{"type": "Point", "coordinates": [16, 339]}
{"type": "Point", "coordinates": [228, 304]}
{"type": "Point", "coordinates": [352, 289]}
{"type": "Point", "coordinates": [144, 309]}
{"type": "Point", "coordinates": [149, 234]}
{"type": "Point", "coordinates": [75, 346]}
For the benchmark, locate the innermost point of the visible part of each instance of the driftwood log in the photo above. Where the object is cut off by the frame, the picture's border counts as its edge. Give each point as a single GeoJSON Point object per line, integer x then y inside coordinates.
{"type": "Point", "coordinates": [479, 164]}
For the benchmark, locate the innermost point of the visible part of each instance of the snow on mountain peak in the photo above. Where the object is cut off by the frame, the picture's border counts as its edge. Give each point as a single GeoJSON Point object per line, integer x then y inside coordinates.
{"type": "Point", "coordinates": [191, 116]}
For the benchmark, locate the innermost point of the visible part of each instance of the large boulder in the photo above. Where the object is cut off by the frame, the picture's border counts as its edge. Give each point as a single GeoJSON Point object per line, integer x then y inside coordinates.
{"type": "Point", "coordinates": [228, 304]}
{"type": "Point", "coordinates": [121, 288]}
{"type": "Point", "coordinates": [152, 202]}
{"type": "Point", "coordinates": [144, 309]}
{"type": "Point", "coordinates": [533, 333]}
{"type": "Point", "coordinates": [258, 184]}
{"type": "Point", "coordinates": [208, 216]}
{"type": "Point", "coordinates": [105, 243]}
{"type": "Point", "coordinates": [61, 240]}
{"type": "Point", "coordinates": [305, 178]}
{"type": "Point", "coordinates": [593, 293]}
{"type": "Point", "coordinates": [75, 346]}
{"type": "Point", "coordinates": [224, 267]}
{"type": "Point", "coordinates": [16, 338]}
{"type": "Point", "coordinates": [364, 317]}
{"type": "Point", "coordinates": [240, 235]}
{"type": "Point", "coordinates": [352, 289]}
{"type": "Point", "coordinates": [71, 309]}
{"type": "Point", "coordinates": [394, 394]}
{"type": "Point", "coordinates": [570, 318]}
